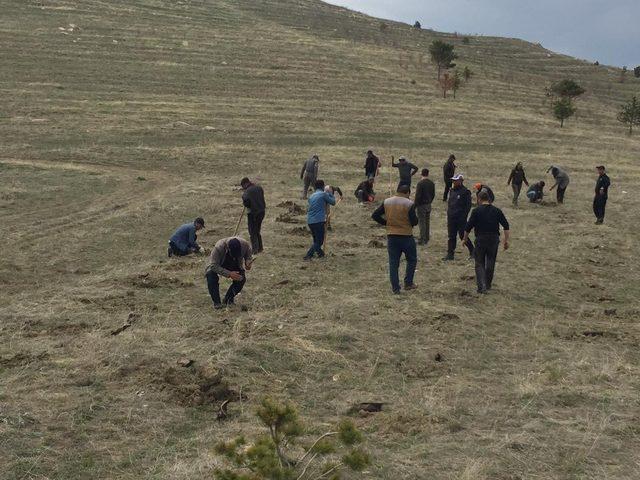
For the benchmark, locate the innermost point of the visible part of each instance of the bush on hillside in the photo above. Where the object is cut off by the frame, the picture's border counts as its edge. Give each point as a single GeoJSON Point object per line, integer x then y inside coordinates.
{"type": "Point", "coordinates": [563, 109]}
{"type": "Point", "coordinates": [636, 72]}
{"type": "Point", "coordinates": [567, 89]}
{"type": "Point", "coordinates": [287, 451]}
{"type": "Point", "coordinates": [417, 25]}
{"type": "Point", "coordinates": [630, 114]}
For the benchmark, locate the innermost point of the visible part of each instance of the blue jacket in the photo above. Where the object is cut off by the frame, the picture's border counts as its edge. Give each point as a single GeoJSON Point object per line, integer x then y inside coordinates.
{"type": "Point", "coordinates": [317, 206]}
{"type": "Point", "coordinates": [185, 237]}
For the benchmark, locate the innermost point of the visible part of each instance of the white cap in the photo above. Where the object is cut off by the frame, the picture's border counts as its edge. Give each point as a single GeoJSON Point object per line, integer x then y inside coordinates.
{"type": "Point", "coordinates": [459, 176]}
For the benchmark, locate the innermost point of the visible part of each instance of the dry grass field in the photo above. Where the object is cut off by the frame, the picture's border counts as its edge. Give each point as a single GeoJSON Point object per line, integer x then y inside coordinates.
{"type": "Point", "coordinates": [120, 120]}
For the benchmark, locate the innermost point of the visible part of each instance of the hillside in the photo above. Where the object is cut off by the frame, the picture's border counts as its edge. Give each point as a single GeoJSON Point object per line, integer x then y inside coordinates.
{"type": "Point", "coordinates": [121, 120]}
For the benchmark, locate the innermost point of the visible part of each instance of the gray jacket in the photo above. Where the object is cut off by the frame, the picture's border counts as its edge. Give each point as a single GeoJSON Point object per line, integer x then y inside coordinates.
{"type": "Point", "coordinates": [310, 168]}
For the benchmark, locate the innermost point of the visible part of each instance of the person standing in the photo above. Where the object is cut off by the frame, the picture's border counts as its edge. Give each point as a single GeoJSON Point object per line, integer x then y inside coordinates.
{"type": "Point", "coordinates": [457, 212]}
{"type": "Point", "coordinates": [602, 194]}
{"type": "Point", "coordinates": [371, 165]}
{"type": "Point", "coordinates": [317, 217]}
{"type": "Point", "coordinates": [516, 179]}
{"type": "Point", "coordinates": [425, 193]}
{"type": "Point", "coordinates": [449, 170]}
{"type": "Point", "coordinates": [485, 220]}
{"type": "Point", "coordinates": [536, 192]}
{"type": "Point", "coordinates": [562, 182]}
{"type": "Point", "coordinates": [406, 170]}
{"type": "Point", "coordinates": [230, 258]}
{"type": "Point", "coordinates": [398, 214]}
{"type": "Point", "coordinates": [184, 239]}
{"type": "Point", "coordinates": [253, 200]}
{"type": "Point", "coordinates": [309, 174]}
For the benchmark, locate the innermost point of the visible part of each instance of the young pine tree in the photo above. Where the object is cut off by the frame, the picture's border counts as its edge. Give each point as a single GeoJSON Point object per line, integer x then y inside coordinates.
{"type": "Point", "coordinates": [567, 89]}
{"type": "Point", "coordinates": [563, 109]}
{"type": "Point", "coordinates": [443, 55]}
{"type": "Point", "coordinates": [288, 452]}
{"type": "Point", "coordinates": [630, 114]}
{"type": "Point", "coordinates": [467, 74]}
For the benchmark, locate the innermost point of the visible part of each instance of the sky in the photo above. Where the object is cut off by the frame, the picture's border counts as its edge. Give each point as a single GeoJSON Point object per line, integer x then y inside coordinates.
{"type": "Point", "coordinates": [602, 30]}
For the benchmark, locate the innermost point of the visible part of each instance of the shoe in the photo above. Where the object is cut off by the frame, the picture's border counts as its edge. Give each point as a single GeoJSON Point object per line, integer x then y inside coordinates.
{"type": "Point", "coordinates": [306, 258]}
{"type": "Point", "coordinates": [448, 258]}
{"type": "Point", "coordinates": [482, 292]}
{"type": "Point", "coordinates": [413, 286]}
{"type": "Point", "coordinates": [218, 306]}
{"type": "Point", "coordinates": [396, 292]}
{"type": "Point", "coordinates": [228, 302]}
{"type": "Point", "coordinates": [599, 221]}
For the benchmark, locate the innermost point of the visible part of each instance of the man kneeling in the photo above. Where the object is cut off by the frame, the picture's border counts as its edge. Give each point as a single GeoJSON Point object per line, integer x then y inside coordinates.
{"type": "Point", "coordinates": [184, 240]}
{"type": "Point", "coordinates": [485, 220]}
{"type": "Point", "coordinates": [229, 258]}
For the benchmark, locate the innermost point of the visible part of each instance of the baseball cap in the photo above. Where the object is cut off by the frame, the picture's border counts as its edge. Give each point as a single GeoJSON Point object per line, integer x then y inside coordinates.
{"type": "Point", "coordinates": [199, 221]}
{"type": "Point", "coordinates": [459, 176]}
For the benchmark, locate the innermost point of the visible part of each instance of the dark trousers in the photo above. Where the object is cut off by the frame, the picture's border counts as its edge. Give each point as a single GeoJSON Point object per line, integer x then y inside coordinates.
{"type": "Point", "coordinates": [317, 232]}
{"type": "Point", "coordinates": [447, 187]}
{"type": "Point", "coordinates": [213, 284]}
{"type": "Point", "coordinates": [517, 187]}
{"type": "Point", "coordinates": [424, 220]}
{"type": "Point", "coordinates": [254, 222]}
{"type": "Point", "coordinates": [175, 250]}
{"type": "Point", "coordinates": [560, 194]}
{"type": "Point", "coordinates": [404, 182]}
{"type": "Point", "coordinates": [455, 227]}
{"type": "Point", "coordinates": [599, 206]}
{"type": "Point", "coordinates": [485, 255]}
{"type": "Point", "coordinates": [396, 246]}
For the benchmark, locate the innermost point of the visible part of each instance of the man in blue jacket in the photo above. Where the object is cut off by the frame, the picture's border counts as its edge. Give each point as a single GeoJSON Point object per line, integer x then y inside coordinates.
{"type": "Point", "coordinates": [183, 241]}
{"type": "Point", "coordinates": [457, 212]}
{"type": "Point", "coordinates": [317, 217]}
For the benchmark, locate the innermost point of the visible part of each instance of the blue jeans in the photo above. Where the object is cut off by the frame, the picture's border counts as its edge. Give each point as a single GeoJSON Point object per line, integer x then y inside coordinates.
{"type": "Point", "coordinates": [213, 284]}
{"type": "Point", "coordinates": [317, 231]}
{"type": "Point", "coordinates": [396, 246]}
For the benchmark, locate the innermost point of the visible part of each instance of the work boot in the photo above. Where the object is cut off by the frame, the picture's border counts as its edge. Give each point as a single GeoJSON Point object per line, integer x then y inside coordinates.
{"type": "Point", "coordinates": [448, 258]}
{"type": "Point", "coordinates": [412, 286]}
{"type": "Point", "coordinates": [218, 306]}
{"type": "Point", "coordinates": [396, 292]}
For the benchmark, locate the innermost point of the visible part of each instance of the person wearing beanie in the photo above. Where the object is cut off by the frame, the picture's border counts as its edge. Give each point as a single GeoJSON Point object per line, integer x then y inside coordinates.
{"type": "Point", "coordinates": [253, 200]}
{"type": "Point", "coordinates": [230, 258]}
{"type": "Point", "coordinates": [406, 170]}
{"type": "Point", "coordinates": [184, 239]}
{"type": "Point", "coordinates": [398, 214]}
{"type": "Point", "coordinates": [479, 187]}
{"type": "Point", "coordinates": [602, 194]}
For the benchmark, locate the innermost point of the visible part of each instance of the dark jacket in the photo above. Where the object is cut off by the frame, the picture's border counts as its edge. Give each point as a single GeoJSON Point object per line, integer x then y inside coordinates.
{"type": "Point", "coordinates": [366, 187]}
{"type": "Point", "coordinates": [492, 197]}
{"type": "Point", "coordinates": [253, 199]}
{"type": "Point", "coordinates": [604, 183]}
{"type": "Point", "coordinates": [425, 192]}
{"type": "Point", "coordinates": [459, 202]}
{"type": "Point", "coordinates": [517, 177]}
{"type": "Point", "coordinates": [449, 170]}
{"type": "Point", "coordinates": [371, 165]}
{"type": "Point", "coordinates": [406, 170]}
{"type": "Point", "coordinates": [486, 220]}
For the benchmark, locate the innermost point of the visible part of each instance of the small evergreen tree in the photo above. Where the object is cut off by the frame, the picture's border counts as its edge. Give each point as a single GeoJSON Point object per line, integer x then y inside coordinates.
{"type": "Point", "coordinates": [466, 41]}
{"type": "Point", "coordinates": [636, 72]}
{"type": "Point", "coordinates": [417, 25]}
{"type": "Point", "coordinates": [443, 55]}
{"type": "Point", "coordinates": [467, 73]}
{"type": "Point", "coordinates": [284, 452]}
{"type": "Point", "coordinates": [630, 114]}
{"type": "Point", "coordinates": [567, 89]}
{"type": "Point", "coordinates": [456, 82]}
{"type": "Point", "coordinates": [563, 109]}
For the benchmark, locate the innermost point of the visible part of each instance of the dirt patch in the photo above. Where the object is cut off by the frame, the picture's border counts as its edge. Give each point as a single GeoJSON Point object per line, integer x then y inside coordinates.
{"type": "Point", "coordinates": [375, 244]}
{"type": "Point", "coordinates": [293, 208]}
{"type": "Point", "coordinates": [22, 359]}
{"type": "Point", "coordinates": [146, 280]}
{"type": "Point", "coordinates": [287, 218]}
{"type": "Point", "coordinates": [299, 231]}
{"type": "Point", "coordinates": [197, 386]}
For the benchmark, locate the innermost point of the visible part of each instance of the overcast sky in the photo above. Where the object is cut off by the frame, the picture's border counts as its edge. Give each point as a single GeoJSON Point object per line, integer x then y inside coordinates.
{"type": "Point", "coordinates": [603, 30]}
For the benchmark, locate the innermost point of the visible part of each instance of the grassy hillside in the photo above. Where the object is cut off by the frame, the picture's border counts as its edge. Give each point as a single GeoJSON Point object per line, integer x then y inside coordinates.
{"type": "Point", "coordinates": [120, 120]}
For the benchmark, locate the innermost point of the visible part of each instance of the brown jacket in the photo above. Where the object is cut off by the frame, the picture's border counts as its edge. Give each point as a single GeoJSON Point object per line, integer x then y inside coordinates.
{"type": "Point", "coordinates": [398, 213]}
{"type": "Point", "coordinates": [219, 256]}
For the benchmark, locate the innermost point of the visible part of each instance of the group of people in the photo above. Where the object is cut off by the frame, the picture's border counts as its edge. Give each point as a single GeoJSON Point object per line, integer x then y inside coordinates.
{"type": "Point", "coordinates": [231, 257]}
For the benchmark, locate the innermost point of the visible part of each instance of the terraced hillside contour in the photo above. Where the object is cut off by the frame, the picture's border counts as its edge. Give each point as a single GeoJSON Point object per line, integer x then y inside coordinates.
{"type": "Point", "coordinates": [121, 120]}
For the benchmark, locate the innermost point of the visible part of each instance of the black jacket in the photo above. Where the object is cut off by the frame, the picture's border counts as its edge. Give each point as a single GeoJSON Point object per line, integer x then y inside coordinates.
{"type": "Point", "coordinates": [425, 192]}
{"type": "Point", "coordinates": [253, 199]}
{"type": "Point", "coordinates": [459, 202]}
{"type": "Point", "coordinates": [604, 183]}
{"type": "Point", "coordinates": [449, 170]}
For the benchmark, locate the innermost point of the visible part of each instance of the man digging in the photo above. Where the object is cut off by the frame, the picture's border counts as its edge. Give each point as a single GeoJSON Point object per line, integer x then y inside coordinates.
{"type": "Point", "coordinates": [184, 239]}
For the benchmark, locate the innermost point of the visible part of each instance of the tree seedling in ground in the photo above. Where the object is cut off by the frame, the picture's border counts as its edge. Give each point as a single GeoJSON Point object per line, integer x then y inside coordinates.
{"type": "Point", "coordinates": [288, 451]}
